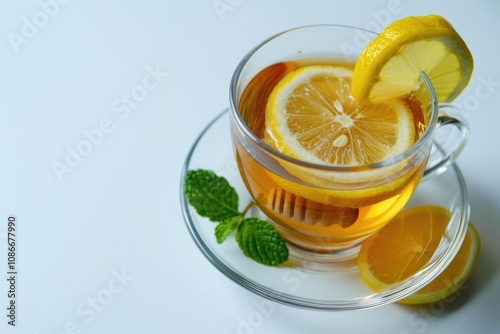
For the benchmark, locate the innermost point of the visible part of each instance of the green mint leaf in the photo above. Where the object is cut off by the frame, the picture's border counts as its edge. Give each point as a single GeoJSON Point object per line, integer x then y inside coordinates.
{"type": "Point", "coordinates": [211, 195]}
{"type": "Point", "coordinates": [224, 229]}
{"type": "Point", "coordinates": [259, 240]}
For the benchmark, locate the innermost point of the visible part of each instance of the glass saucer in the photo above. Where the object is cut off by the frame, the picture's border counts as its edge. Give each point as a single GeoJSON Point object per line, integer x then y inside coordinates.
{"type": "Point", "coordinates": [312, 282]}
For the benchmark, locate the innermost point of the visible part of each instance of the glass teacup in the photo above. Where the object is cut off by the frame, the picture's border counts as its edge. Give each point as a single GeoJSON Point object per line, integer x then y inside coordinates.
{"type": "Point", "coordinates": [317, 207]}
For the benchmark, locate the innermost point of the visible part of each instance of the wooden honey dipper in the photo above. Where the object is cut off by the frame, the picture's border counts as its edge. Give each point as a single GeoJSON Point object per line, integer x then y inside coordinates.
{"type": "Point", "coordinates": [309, 212]}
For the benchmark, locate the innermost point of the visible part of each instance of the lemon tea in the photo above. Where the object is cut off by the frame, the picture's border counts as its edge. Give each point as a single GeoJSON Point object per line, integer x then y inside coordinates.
{"type": "Point", "coordinates": [326, 207]}
{"type": "Point", "coordinates": [310, 223]}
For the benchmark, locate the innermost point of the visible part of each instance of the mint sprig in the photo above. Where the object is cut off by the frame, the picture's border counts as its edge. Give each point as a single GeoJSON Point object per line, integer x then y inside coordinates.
{"type": "Point", "coordinates": [214, 198]}
{"type": "Point", "coordinates": [261, 242]}
{"type": "Point", "coordinates": [225, 228]}
{"type": "Point", "coordinates": [210, 195]}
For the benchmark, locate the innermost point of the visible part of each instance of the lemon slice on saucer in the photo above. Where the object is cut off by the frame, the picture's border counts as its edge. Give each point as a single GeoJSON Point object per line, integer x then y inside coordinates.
{"type": "Point", "coordinates": [406, 244]}
{"type": "Point", "coordinates": [391, 65]}
{"type": "Point", "coordinates": [454, 276]}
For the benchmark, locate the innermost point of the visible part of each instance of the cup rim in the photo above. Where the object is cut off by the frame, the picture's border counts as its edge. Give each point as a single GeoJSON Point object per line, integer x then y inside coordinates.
{"type": "Point", "coordinates": [235, 115]}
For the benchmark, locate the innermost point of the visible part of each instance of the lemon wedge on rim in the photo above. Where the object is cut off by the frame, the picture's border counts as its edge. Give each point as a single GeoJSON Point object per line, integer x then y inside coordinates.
{"type": "Point", "coordinates": [391, 64]}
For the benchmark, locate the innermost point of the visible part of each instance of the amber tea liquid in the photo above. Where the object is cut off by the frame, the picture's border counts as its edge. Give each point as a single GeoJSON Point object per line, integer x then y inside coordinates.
{"type": "Point", "coordinates": [302, 221]}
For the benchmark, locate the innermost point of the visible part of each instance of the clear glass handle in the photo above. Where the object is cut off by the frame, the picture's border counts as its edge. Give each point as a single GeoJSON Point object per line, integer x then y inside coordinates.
{"type": "Point", "coordinates": [449, 141]}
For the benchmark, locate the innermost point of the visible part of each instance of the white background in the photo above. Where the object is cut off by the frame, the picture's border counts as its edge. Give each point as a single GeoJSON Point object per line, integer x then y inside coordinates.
{"type": "Point", "coordinates": [112, 227]}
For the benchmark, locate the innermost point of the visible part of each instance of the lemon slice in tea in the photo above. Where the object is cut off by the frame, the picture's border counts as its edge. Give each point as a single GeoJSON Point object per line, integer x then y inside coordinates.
{"type": "Point", "coordinates": [311, 116]}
